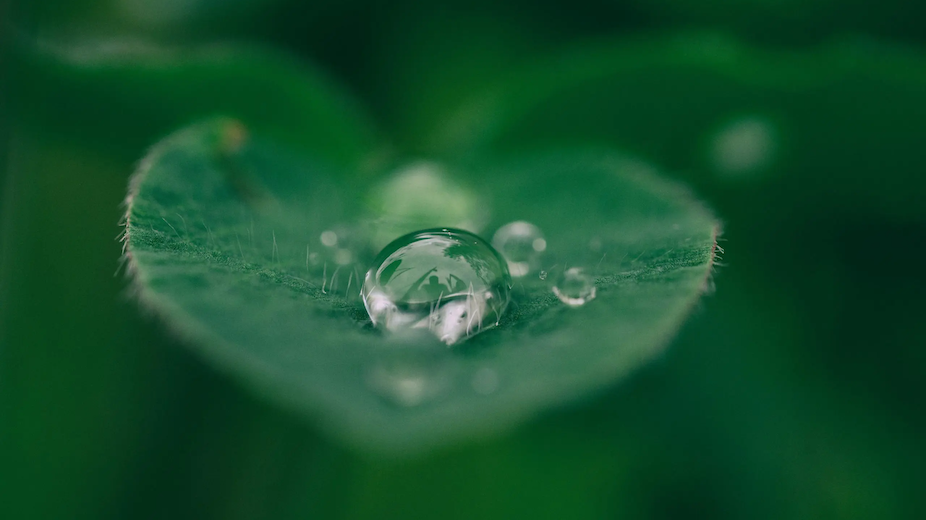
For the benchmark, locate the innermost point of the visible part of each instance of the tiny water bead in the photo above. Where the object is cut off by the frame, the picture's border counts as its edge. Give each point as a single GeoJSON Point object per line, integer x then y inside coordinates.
{"type": "Point", "coordinates": [521, 243]}
{"type": "Point", "coordinates": [448, 281]}
{"type": "Point", "coordinates": [575, 287]}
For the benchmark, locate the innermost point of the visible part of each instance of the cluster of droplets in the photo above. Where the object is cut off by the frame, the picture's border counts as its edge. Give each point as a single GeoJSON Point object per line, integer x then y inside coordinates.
{"type": "Point", "coordinates": [453, 284]}
{"type": "Point", "coordinates": [445, 283]}
{"type": "Point", "coordinates": [523, 246]}
{"type": "Point", "coordinates": [450, 284]}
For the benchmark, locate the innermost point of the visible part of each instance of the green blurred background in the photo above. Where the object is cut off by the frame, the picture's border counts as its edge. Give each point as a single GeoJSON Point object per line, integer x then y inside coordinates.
{"type": "Point", "coordinates": [794, 391]}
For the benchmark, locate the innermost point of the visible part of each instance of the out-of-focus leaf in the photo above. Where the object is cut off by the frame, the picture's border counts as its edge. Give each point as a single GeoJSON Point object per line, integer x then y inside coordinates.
{"type": "Point", "coordinates": [836, 128]}
{"type": "Point", "coordinates": [792, 20]}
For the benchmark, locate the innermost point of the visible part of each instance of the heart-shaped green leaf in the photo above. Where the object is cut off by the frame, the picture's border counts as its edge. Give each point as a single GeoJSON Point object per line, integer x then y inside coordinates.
{"type": "Point", "coordinates": [226, 234]}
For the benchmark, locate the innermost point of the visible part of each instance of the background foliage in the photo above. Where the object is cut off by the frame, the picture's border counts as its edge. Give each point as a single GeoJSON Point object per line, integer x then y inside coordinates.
{"type": "Point", "coordinates": [795, 391]}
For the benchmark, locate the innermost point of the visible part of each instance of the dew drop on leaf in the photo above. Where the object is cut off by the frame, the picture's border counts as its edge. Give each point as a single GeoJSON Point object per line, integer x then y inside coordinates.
{"type": "Point", "coordinates": [447, 281]}
{"type": "Point", "coordinates": [522, 244]}
{"type": "Point", "coordinates": [575, 287]}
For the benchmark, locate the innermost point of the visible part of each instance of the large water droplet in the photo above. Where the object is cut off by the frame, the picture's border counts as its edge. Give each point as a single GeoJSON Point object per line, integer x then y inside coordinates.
{"type": "Point", "coordinates": [575, 287]}
{"type": "Point", "coordinates": [448, 281]}
{"type": "Point", "coordinates": [521, 243]}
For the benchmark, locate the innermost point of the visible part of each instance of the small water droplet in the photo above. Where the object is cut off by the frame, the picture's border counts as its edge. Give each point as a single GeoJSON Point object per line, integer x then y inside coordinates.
{"type": "Point", "coordinates": [543, 275]}
{"type": "Point", "coordinates": [448, 281]}
{"type": "Point", "coordinates": [575, 287]}
{"type": "Point", "coordinates": [329, 238]}
{"type": "Point", "coordinates": [521, 243]}
{"type": "Point", "coordinates": [485, 381]}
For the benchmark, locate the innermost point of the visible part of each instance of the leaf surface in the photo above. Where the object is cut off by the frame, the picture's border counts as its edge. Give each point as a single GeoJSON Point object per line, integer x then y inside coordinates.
{"type": "Point", "coordinates": [222, 236]}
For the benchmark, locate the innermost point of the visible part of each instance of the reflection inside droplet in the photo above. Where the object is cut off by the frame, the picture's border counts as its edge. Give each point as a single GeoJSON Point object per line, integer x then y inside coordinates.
{"type": "Point", "coordinates": [447, 281]}
{"type": "Point", "coordinates": [575, 287]}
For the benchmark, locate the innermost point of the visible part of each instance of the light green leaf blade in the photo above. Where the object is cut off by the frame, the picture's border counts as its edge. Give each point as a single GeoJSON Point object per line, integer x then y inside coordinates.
{"type": "Point", "coordinates": [220, 235]}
